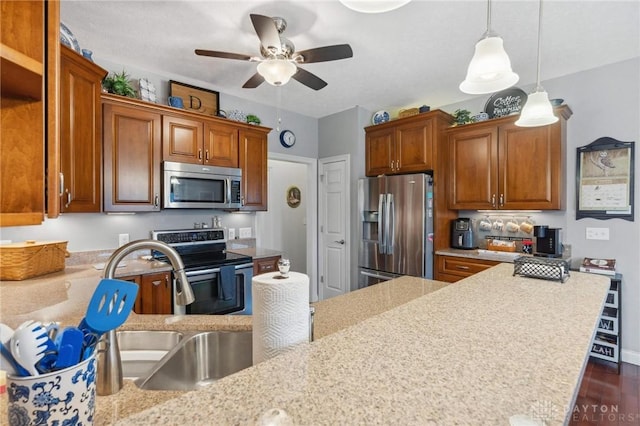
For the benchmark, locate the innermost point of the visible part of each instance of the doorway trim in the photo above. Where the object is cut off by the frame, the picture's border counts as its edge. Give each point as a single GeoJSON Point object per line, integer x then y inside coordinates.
{"type": "Point", "coordinates": [311, 216]}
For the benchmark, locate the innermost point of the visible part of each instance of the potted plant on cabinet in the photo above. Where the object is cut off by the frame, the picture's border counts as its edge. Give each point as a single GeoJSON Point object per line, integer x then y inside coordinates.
{"type": "Point", "coordinates": [119, 84]}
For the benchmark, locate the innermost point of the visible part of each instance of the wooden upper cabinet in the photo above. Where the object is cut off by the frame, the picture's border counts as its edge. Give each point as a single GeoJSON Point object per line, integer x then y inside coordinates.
{"type": "Point", "coordinates": [23, 41]}
{"type": "Point", "coordinates": [498, 165]}
{"type": "Point", "coordinates": [406, 145]}
{"type": "Point", "coordinates": [80, 133]}
{"type": "Point", "coordinates": [182, 139]}
{"type": "Point", "coordinates": [220, 145]}
{"type": "Point", "coordinates": [132, 154]}
{"type": "Point", "coordinates": [253, 162]}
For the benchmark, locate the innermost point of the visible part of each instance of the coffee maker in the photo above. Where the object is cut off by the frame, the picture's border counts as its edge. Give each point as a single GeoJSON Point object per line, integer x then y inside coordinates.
{"type": "Point", "coordinates": [548, 241]}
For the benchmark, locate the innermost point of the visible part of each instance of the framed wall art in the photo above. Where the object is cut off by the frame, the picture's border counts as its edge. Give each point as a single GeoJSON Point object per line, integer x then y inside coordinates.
{"type": "Point", "coordinates": [605, 179]}
{"type": "Point", "coordinates": [195, 98]}
{"type": "Point", "coordinates": [293, 196]}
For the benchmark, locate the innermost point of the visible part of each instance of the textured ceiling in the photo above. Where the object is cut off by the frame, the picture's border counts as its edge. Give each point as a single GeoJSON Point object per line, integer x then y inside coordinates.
{"type": "Point", "coordinates": [414, 55]}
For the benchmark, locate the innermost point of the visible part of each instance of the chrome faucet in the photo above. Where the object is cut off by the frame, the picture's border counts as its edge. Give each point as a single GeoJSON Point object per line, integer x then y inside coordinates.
{"type": "Point", "coordinates": [109, 371]}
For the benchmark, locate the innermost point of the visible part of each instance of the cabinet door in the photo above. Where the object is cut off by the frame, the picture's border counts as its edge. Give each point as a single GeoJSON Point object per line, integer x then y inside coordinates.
{"type": "Point", "coordinates": [131, 158]}
{"type": "Point", "coordinates": [220, 145]}
{"type": "Point", "coordinates": [473, 168]}
{"type": "Point", "coordinates": [379, 152]}
{"type": "Point", "coordinates": [264, 265]}
{"type": "Point", "coordinates": [253, 162]}
{"type": "Point", "coordinates": [452, 269]}
{"type": "Point", "coordinates": [22, 123]}
{"type": "Point", "coordinates": [155, 294]}
{"type": "Point", "coordinates": [414, 147]}
{"type": "Point", "coordinates": [80, 132]}
{"type": "Point", "coordinates": [530, 168]}
{"type": "Point", "coordinates": [182, 140]}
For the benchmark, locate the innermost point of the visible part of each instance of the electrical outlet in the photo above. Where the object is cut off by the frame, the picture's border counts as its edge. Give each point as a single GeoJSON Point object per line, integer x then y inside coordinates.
{"type": "Point", "coordinates": [597, 233]}
{"type": "Point", "coordinates": [245, 232]}
{"type": "Point", "coordinates": [123, 239]}
{"type": "Point", "coordinates": [231, 233]}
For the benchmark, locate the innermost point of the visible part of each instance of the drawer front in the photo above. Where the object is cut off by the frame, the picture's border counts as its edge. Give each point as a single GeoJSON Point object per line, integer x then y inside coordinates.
{"type": "Point", "coordinates": [462, 267]}
{"type": "Point", "coordinates": [265, 265]}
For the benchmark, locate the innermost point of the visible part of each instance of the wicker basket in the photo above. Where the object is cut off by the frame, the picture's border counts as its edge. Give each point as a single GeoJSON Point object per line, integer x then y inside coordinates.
{"type": "Point", "coordinates": [20, 261]}
{"type": "Point", "coordinates": [408, 112]}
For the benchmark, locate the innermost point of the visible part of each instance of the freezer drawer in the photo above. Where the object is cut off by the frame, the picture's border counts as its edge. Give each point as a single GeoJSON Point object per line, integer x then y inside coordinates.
{"type": "Point", "coordinates": [367, 277]}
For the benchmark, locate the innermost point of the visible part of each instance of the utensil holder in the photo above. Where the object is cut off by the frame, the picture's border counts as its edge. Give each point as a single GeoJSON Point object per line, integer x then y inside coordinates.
{"type": "Point", "coordinates": [62, 397]}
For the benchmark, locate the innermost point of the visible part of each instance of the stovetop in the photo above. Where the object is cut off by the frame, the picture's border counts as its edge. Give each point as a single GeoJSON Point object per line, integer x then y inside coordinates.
{"type": "Point", "coordinates": [199, 248]}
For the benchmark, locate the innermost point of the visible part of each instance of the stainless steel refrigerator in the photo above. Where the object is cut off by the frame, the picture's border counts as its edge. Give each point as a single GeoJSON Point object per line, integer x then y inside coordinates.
{"type": "Point", "coordinates": [396, 227]}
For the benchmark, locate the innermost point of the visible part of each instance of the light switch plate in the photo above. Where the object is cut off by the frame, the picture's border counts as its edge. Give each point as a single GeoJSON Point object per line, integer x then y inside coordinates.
{"type": "Point", "coordinates": [597, 234]}
{"type": "Point", "coordinates": [123, 239]}
{"type": "Point", "coordinates": [231, 233]}
{"type": "Point", "coordinates": [245, 232]}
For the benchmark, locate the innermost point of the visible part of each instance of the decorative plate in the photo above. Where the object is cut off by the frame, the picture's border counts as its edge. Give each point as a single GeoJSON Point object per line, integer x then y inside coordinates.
{"type": "Point", "coordinates": [506, 102]}
{"type": "Point", "coordinates": [380, 117]}
{"type": "Point", "coordinates": [68, 39]}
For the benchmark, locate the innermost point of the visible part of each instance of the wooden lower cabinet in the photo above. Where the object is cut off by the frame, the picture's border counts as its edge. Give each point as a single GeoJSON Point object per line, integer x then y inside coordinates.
{"type": "Point", "coordinates": [452, 268]}
{"type": "Point", "coordinates": [155, 295]}
{"type": "Point", "coordinates": [265, 265]}
{"type": "Point", "coordinates": [132, 155]}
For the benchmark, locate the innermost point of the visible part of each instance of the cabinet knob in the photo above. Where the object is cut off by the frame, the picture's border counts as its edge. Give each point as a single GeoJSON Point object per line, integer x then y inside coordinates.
{"type": "Point", "coordinates": [156, 283]}
{"type": "Point", "coordinates": [464, 268]}
{"type": "Point", "coordinates": [493, 200]}
{"type": "Point", "coordinates": [61, 184]}
{"type": "Point", "coordinates": [68, 199]}
{"type": "Point", "coordinates": [199, 154]}
{"type": "Point", "coordinates": [206, 155]}
{"type": "Point", "coordinates": [156, 201]}
{"type": "Point", "coordinates": [501, 200]}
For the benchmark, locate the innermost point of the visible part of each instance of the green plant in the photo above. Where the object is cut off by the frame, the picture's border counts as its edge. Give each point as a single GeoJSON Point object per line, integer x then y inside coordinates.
{"type": "Point", "coordinates": [119, 84]}
{"type": "Point", "coordinates": [253, 119]}
{"type": "Point", "coordinates": [462, 116]}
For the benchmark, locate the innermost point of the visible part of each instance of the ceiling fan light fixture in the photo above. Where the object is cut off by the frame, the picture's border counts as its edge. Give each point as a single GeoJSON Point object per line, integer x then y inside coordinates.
{"type": "Point", "coordinates": [276, 72]}
{"type": "Point", "coordinates": [490, 68]}
{"type": "Point", "coordinates": [374, 6]}
{"type": "Point", "coordinates": [537, 111]}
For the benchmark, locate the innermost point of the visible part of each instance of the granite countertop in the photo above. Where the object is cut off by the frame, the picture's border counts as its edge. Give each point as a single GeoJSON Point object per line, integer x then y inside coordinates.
{"type": "Point", "coordinates": [256, 252]}
{"type": "Point", "coordinates": [477, 351]}
{"type": "Point", "coordinates": [408, 351]}
{"type": "Point", "coordinates": [496, 256]}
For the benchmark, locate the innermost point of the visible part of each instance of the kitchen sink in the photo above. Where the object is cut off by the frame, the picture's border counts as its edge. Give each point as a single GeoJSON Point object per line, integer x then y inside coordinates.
{"type": "Point", "coordinates": [199, 360]}
{"type": "Point", "coordinates": [140, 351]}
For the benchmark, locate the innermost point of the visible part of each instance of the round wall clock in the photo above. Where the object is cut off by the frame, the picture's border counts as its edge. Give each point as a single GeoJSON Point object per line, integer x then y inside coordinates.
{"type": "Point", "coordinates": [287, 138]}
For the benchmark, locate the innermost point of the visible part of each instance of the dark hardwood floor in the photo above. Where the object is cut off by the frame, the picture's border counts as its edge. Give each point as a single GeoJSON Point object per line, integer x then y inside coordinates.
{"type": "Point", "coordinates": [607, 398]}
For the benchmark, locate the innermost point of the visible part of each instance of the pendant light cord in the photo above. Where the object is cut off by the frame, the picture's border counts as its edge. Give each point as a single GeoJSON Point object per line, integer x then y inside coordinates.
{"type": "Point", "coordinates": [538, 88]}
{"type": "Point", "coordinates": [488, 16]}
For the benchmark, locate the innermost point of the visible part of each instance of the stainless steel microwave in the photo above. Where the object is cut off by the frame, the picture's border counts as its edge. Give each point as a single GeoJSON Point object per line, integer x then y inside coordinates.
{"type": "Point", "coordinates": [193, 186]}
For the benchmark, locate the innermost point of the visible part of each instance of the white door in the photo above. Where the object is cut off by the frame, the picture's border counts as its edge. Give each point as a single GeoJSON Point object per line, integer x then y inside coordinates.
{"type": "Point", "coordinates": [334, 227]}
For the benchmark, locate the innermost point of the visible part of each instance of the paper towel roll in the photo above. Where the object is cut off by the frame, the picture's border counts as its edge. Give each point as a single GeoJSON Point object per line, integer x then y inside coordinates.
{"type": "Point", "coordinates": [280, 313]}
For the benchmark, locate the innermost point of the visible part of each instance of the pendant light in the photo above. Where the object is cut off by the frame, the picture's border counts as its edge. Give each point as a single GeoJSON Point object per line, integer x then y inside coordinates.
{"type": "Point", "coordinates": [374, 6]}
{"type": "Point", "coordinates": [537, 111]}
{"type": "Point", "coordinates": [490, 68]}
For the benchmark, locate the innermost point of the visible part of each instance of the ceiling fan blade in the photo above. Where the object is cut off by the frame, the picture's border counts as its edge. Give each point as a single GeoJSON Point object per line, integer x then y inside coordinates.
{"type": "Point", "coordinates": [255, 81]}
{"type": "Point", "coordinates": [225, 55]}
{"type": "Point", "coordinates": [309, 79]}
{"type": "Point", "coordinates": [327, 53]}
{"type": "Point", "coordinates": [267, 32]}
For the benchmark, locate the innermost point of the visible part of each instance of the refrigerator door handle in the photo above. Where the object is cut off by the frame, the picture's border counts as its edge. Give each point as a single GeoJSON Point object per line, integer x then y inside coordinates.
{"type": "Point", "coordinates": [381, 220]}
{"type": "Point", "coordinates": [391, 219]}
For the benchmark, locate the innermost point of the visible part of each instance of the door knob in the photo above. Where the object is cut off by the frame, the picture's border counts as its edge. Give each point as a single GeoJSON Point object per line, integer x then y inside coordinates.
{"type": "Point", "coordinates": [339, 242]}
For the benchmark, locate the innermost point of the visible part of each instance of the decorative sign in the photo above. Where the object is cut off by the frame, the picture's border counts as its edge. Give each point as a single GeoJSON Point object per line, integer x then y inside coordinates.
{"type": "Point", "coordinates": [196, 99]}
{"type": "Point", "coordinates": [604, 180]}
{"type": "Point", "coordinates": [506, 102]}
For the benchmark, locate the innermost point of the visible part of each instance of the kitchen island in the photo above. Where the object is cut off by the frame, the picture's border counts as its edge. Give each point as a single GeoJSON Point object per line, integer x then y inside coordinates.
{"type": "Point", "coordinates": [408, 351]}
{"type": "Point", "coordinates": [475, 352]}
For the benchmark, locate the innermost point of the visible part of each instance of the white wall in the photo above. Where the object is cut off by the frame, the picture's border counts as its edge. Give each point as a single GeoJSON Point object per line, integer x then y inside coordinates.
{"type": "Point", "coordinates": [285, 228]}
{"type": "Point", "coordinates": [605, 102]}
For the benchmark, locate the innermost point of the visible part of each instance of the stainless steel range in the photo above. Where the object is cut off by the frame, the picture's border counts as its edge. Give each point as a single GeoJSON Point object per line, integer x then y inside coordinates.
{"type": "Point", "coordinates": [221, 281]}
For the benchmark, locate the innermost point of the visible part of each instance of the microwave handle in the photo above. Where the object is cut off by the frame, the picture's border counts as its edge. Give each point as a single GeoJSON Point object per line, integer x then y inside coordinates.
{"type": "Point", "coordinates": [228, 185]}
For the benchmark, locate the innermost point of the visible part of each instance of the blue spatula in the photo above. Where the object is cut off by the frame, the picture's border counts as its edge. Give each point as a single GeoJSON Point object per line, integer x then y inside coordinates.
{"type": "Point", "coordinates": [108, 309]}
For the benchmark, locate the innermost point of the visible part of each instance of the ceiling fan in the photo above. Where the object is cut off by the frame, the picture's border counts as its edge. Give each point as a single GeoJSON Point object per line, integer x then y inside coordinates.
{"type": "Point", "coordinates": [280, 61]}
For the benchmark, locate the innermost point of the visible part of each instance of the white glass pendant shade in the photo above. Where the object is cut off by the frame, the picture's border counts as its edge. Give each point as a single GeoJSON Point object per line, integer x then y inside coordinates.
{"type": "Point", "coordinates": [490, 68]}
{"type": "Point", "coordinates": [277, 72]}
{"type": "Point", "coordinates": [537, 111]}
{"type": "Point", "coordinates": [374, 6]}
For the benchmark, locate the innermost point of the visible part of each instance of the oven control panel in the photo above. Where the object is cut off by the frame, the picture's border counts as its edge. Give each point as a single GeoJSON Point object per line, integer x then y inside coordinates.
{"type": "Point", "coordinates": [189, 236]}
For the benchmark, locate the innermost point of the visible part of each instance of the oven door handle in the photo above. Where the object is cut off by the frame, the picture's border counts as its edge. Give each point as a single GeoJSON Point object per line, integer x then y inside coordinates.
{"type": "Point", "coordinates": [216, 270]}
